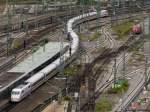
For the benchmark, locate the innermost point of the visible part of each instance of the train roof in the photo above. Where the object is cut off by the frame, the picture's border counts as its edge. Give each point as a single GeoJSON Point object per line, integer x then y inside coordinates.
{"type": "Point", "coordinates": [21, 87]}
{"type": "Point", "coordinates": [42, 55]}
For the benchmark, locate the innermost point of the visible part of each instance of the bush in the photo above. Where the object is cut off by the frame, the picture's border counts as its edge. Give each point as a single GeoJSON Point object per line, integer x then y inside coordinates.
{"type": "Point", "coordinates": [121, 85]}
{"type": "Point", "coordinates": [123, 29]}
{"type": "Point", "coordinates": [103, 106]}
{"type": "Point", "coordinates": [66, 98]}
{"type": "Point", "coordinates": [72, 70]}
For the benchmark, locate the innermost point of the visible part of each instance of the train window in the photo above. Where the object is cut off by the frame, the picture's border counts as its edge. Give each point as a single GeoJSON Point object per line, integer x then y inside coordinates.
{"type": "Point", "coordinates": [15, 92]}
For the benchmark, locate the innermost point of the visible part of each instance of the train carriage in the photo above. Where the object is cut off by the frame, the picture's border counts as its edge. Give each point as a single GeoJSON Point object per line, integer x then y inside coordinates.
{"type": "Point", "coordinates": [23, 90]}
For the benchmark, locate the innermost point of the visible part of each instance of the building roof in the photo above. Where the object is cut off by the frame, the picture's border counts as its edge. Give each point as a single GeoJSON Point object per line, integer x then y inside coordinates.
{"type": "Point", "coordinates": [39, 57]}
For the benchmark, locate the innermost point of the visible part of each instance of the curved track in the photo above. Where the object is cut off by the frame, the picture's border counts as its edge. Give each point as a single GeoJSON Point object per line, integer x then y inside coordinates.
{"type": "Point", "coordinates": [69, 55]}
{"type": "Point", "coordinates": [73, 33]}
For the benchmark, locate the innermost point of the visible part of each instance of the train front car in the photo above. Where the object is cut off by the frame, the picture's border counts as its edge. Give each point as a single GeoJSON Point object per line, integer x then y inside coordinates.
{"type": "Point", "coordinates": [136, 29]}
{"type": "Point", "coordinates": [20, 92]}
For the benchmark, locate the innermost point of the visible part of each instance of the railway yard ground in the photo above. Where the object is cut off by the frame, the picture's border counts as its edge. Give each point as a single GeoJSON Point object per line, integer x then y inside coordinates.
{"type": "Point", "coordinates": [50, 88]}
{"type": "Point", "coordinates": [134, 61]}
{"type": "Point", "coordinates": [49, 85]}
{"type": "Point", "coordinates": [106, 70]}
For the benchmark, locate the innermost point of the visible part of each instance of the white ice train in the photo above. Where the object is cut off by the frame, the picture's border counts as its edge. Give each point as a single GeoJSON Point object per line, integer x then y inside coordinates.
{"type": "Point", "coordinates": [23, 90]}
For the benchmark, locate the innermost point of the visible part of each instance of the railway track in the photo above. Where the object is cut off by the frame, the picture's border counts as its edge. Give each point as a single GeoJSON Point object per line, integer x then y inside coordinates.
{"type": "Point", "coordinates": [43, 28]}
{"type": "Point", "coordinates": [34, 36]}
{"type": "Point", "coordinates": [109, 71]}
{"type": "Point", "coordinates": [109, 39]}
{"type": "Point", "coordinates": [128, 98]}
{"type": "Point", "coordinates": [129, 8]}
{"type": "Point", "coordinates": [49, 89]}
{"type": "Point", "coordinates": [111, 42]}
{"type": "Point", "coordinates": [109, 55]}
{"type": "Point", "coordinates": [121, 48]}
{"type": "Point", "coordinates": [21, 58]}
{"type": "Point", "coordinates": [40, 20]}
{"type": "Point", "coordinates": [7, 107]}
{"type": "Point", "coordinates": [104, 55]}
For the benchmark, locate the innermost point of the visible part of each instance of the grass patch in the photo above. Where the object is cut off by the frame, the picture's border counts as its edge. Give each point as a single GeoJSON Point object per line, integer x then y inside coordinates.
{"type": "Point", "coordinates": [123, 29]}
{"type": "Point", "coordinates": [72, 70]}
{"type": "Point", "coordinates": [147, 37]}
{"type": "Point", "coordinates": [81, 36]}
{"type": "Point", "coordinates": [120, 86]}
{"type": "Point", "coordinates": [99, 50]}
{"type": "Point", "coordinates": [95, 36]}
{"type": "Point", "coordinates": [90, 37]}
{"type": "Point", "coordinates": [103, 106]}
{"type": "Point", "coordinates": [93, 28]}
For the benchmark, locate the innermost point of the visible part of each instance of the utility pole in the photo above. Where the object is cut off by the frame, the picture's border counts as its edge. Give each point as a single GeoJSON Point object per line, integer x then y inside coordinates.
{"type": "Point", "coordinates": [124, 64]}
{"type": "Point", "coordinates": [45, 6]}
{"type": "Point", "coordinates": [145, 71]}
{"type": "Point", "coordinates": [149, 24]}
{"type": "Point", "coordinates": [13, 10]}
{"type": "Point", "coordinates": [115, 71]}
{"type": "Point", "coordinates": [83, 6]}
{"type": "Point", "coordinates": [61, 68]}
{"type": "Point", "coordinates": [26, 25]}
{"type": "Point", "coordinates": [61, 55]}
{"type": "Point", "coordinates": [22, 21]}
{"type": "Point", "coordinates": [26, 30]}
{"type": "Point", "coordinates": [36, 13]}
{"type": "Point", "coordinates": [98, 13]}
{"type": "Point", "coordinates": [79, 28]}
{"type": "Point", "coordinates": [113, 11]}
{"type": "Point", "coordinates": [9, 28]}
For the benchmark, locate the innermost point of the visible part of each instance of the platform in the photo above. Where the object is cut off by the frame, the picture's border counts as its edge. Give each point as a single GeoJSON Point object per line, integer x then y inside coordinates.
{"type": "Point", "coordinates": [39, 58]}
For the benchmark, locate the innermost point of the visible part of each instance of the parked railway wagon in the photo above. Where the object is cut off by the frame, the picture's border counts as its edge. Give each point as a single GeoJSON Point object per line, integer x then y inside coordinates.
{"type": "Point", "coordinates": [104, 13]}
{"type": "Point", "coordinates": [136, 29]}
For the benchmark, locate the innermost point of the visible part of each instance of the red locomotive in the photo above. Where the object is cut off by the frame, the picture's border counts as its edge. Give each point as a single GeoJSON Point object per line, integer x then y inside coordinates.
{"type": "Point", "coordinates": [136, 29]}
